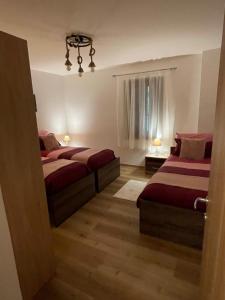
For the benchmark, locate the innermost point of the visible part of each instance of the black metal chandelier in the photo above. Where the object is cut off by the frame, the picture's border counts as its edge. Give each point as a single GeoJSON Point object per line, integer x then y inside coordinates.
{"type": "Point", "coordinates": [78, 41]}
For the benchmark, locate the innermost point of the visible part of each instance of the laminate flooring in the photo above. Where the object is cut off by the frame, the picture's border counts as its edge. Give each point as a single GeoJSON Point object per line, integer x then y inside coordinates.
{"type": "Point", "coordinates": [101, 255]}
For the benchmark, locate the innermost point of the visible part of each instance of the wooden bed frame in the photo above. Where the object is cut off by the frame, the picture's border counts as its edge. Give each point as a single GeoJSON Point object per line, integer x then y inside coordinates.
{"type": "Point", "coordinates": [179, 225]}
{"type": "Point", "coordinates": [107, 174]}
{"type": "Point", "coordinates": [64, 203]}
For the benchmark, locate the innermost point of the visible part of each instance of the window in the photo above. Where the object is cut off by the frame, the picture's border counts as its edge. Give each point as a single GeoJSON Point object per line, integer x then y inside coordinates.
{"type": "Point", "coordinates": [142, 111]}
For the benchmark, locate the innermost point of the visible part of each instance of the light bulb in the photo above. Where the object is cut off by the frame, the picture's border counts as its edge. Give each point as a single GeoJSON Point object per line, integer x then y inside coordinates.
{"type": "Point", "coordinates": [68, 65]}
{"type": "Point", "coordinates": [80, 71]}
{"type": "Point", "coordinates": [92, 66]}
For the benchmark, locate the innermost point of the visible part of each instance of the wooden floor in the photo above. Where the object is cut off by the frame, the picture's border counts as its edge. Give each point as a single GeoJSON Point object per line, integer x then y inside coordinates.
{"type": "Point", "coordinates": [100, 254]}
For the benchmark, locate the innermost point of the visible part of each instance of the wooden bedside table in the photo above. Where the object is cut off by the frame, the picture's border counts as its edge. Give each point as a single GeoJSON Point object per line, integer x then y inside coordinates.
{"type": "Point", "coordinates": [153, 162]}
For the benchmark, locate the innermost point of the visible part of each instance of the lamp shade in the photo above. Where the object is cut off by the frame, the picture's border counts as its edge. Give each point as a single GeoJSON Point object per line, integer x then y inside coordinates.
{"type": "Point", "coordinates": [156, 142]}
{"type": "Point", "coordinates": [66, 139]}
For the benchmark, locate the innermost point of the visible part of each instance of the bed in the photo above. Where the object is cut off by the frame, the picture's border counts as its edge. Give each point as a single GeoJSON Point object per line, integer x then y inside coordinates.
{"type": "Point", "coordinates": [103, 163]}
{"type": "Point", "coordinates": [69, 185]}
{"type": "Point", "coordinates": [167, 203]}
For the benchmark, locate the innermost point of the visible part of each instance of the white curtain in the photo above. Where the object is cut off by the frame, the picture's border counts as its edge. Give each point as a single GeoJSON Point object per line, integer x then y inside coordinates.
{"type": "Point", "coordinates": [145, 111]}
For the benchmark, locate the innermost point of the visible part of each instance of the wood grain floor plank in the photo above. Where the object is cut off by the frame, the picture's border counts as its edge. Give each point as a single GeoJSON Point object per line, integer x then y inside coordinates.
{"type": "Point", "coordinates": [100, 254]}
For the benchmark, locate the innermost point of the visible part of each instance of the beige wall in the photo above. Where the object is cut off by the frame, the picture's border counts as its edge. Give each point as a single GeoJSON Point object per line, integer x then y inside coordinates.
{"type": "Point", "coordinates": [91, 103]}
{"type": "Point", "coordinates": [209, 81]}
{"type": "Point", "coordinates": [9, 283]}
{"type": "Point", "coordinates": [49, 92]}
{"type": "Point", "coordinates": [86, 107]}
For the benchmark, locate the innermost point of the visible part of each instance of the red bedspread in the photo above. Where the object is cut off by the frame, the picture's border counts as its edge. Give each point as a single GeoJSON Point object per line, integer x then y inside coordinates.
{"type": "Point", "coordinates": [178, 183]}
{"type": "Point", "coordinates": [93, 158]}
{"type": "Point", "coordinates": [61, 173]}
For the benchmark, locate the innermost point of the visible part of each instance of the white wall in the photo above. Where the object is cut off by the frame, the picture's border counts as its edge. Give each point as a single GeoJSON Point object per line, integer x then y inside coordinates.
{"type": "Point", "coordinates": [9, 283]}
{"type": "Point", "coordinates": [86, 107]}
{"type": "Point", "coordinates": [49, 92]}
{"type": "Point", "coordinates": [91, 102]}
{"type": "Point", "coordinates": [209, 81]}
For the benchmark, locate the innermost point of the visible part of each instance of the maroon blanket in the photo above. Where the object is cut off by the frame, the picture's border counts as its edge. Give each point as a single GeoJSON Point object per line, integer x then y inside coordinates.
{"type": "Point", "coordinates": [61, 173]}
{"type": "Point", "coordinates": [94, 159]}
{"type": "Point", "coordinates": [178, 183]}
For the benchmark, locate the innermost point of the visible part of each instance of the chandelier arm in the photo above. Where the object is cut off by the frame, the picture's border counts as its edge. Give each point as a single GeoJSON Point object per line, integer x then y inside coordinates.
{"type": "Point", "coordinates": [68, 64]}
{"type": "Point", "coordinates": [79, 57]}
{"type": "Point", "coordinates": [92, 51]}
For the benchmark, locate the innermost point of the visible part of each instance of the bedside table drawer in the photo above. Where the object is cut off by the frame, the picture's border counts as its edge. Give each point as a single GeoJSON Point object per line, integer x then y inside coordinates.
{"type": "Point", "coordinates": [152, 164]}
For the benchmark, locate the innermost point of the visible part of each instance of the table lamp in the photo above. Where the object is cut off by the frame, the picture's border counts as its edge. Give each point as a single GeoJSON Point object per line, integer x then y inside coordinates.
{"type": "Point", "coordinates": [66, 139]}
{"type": "Point", "coordinates": [157, 143]}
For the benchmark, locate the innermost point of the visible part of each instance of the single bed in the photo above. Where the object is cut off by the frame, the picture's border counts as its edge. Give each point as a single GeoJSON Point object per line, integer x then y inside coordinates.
{"type": "Point", "coordinates": [69, 185]}
{"type": "Point", "coordinates": [103, 163]}
{"type": "Point", "coordinates": [167, 202]}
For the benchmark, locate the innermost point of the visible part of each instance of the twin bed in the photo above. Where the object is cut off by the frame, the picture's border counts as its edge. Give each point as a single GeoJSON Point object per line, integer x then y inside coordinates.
{"type": "Point", "coordinates": [103, 163]}
{"type": "Point", "coordinates": [167, 202]}
{"type": "Point", "coordinates": [167, 205]}
{"type": "Point", "coordinates": [69, 185]}
{"type": "Point", "coordinates": [73, 175]}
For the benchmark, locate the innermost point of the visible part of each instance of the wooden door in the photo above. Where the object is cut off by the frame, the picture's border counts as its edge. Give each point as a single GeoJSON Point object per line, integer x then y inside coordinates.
{"type": "Point", "coordinates": [21, 175]}
{"type": "Point", "coordinates": [213, 266]}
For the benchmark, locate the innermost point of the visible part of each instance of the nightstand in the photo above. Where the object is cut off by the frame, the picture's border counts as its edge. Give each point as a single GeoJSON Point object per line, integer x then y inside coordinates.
{"type": "Point", "coordinates": [153, 162]}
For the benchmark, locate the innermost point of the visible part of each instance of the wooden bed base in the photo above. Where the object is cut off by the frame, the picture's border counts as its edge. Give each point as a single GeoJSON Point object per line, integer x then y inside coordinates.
{"type": "Point", "coordinates": [172, 223]}
{"type": "Point", "coordinates": [63, 204]}
{"type": "Point", "coordinates": [107, 174]}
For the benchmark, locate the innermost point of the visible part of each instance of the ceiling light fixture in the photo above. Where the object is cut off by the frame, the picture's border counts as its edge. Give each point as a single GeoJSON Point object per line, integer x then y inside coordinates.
{"type": "Point", "coordinates": [78, 41]}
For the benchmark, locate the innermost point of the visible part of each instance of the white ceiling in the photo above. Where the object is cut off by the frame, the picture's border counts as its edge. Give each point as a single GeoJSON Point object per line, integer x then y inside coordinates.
{"type": "Point", "coordinates": [124, 31]}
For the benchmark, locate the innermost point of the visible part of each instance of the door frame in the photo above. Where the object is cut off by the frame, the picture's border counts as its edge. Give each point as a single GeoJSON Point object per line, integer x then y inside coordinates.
{"type": "Point", "coordinates": [213, 262]}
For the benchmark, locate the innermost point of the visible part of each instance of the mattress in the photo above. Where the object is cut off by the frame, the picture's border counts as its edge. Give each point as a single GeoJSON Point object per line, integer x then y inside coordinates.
{"type": "Point", "coordinates": [93, 158]}
{"type": "Point", "coordinates": [58, 174]}
{"type": "Point", "coordinates": [178, 183]}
